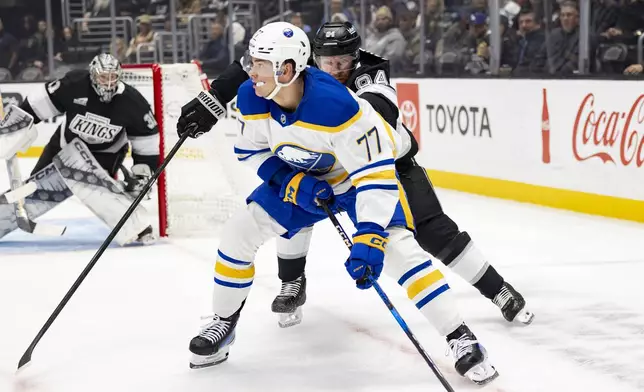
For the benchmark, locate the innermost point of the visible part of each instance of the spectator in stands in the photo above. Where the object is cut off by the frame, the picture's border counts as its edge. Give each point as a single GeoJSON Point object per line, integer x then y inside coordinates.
{"type": "Point", "coordinates": [630, 22]}
{"type": "Point", "coordinates": [456, 37]}
{"type": "Point", "coordinates": [434, 10]}
{"type": "Point", "coordinates": [410, 59]}
{"type": "Point", "coordinates": [8, 50]}
{"type": "Point", "coordinates": [71, 51]}
{"type": "Point", "coordinates": [337, 7]}
{"type": "Point", "coordinates": [296, 20]}
{"type": "Point", "coordinates": [385, 39]}
{"type": "Point", "coordinates": [239, 31]}
{"type": "Point", "coordinates": [214, 56]}
{"type": "Point", "coordinates": [159, 7]}
{"type": "Point", "coordinates": [187, 7]}
{"type": "Point", "coordinates": [634, 69]}
{"type": "Point", "coordinates": [604, 14]}
{"type": "Point", "coordinates": [144, 36]}
{"type": "Point", "coordinates": [478, 6]}
{"type": "Point", "coordinates": [531, 39]}
{"type": "Point", "coordinates": [33, 51]}
{"type": "Point", "coordinates": [564, 45]}
{"type": "Point", "coordinates": [119, 50]}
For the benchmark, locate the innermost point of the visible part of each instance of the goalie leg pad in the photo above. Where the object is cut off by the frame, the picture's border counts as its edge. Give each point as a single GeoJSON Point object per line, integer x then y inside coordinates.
{"type": "Point", "coordinates": [103, 195]}
{"type": "Point", "coordinates": [51, 190]}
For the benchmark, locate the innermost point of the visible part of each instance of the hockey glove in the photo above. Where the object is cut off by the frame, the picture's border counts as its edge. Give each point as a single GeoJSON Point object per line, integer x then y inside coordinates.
{"type": "Point", "coordinates": [303, 190]}
{"type": "Point", "coordinates": [367, 257]}
{"type": "Point", "coordinates": [136, 179]}
{"type": "Point", "coordinates": [200, 115]}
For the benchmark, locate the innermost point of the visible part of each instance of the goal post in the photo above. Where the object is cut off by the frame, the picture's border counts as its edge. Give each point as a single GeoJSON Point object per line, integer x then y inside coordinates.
{"type": "Point", "coordinates": [204, 183]}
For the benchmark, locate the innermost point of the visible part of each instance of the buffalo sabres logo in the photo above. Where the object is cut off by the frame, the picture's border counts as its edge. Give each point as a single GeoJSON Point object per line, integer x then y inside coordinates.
{"type": "Point", "coordinates": [303, 159]}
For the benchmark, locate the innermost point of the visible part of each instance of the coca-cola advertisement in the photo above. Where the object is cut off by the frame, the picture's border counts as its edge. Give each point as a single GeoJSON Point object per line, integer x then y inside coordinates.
{"type": "Point", "coordinates": [614, 135]}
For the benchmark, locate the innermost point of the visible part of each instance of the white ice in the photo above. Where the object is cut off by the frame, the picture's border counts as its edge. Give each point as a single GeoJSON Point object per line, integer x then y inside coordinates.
{"type": "Point", "coordinates": [128, 326]}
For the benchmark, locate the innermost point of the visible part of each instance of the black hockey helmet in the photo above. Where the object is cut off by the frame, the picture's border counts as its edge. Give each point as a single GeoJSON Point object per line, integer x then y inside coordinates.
{"type": "Point", "coordinates": [336, 49]}
{"type": "Point", "coordinates": [336, 39]}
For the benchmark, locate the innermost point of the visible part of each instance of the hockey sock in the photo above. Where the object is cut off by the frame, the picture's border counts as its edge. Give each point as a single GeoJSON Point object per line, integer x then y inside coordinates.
{"type": "Point", "coordinates": [290, 269]}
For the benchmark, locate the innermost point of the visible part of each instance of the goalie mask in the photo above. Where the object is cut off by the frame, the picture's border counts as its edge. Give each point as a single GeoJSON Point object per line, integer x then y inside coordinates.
{"type": "Point", "coordinates": [105, 74]}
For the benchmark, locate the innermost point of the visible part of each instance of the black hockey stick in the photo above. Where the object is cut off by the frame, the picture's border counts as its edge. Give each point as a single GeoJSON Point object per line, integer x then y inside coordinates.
{"type": "Point", "coordinates": [390, 305]}
{"type": "Point", "coordinates": [26, 357]}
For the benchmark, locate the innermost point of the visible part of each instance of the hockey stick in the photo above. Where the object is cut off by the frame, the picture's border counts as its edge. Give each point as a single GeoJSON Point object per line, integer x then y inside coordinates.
{"type": "Point", "coordinates": [26, 357]}
{"type": "Point", "coordinates": [17, 120]}
{"type": "Point", "coordinates": [390, 305]}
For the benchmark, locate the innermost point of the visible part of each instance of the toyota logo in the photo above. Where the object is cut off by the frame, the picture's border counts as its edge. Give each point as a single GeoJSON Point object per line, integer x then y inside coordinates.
{"type": "Point", "coordinates": [409, 114]}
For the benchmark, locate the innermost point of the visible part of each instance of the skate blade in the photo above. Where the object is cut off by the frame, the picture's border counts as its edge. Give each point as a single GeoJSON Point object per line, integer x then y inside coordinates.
{"type": "Point", "coordinates": [204, 361]}
{"type": "Point", "coordinates": [290, 319]}
{"type": "Point", "coordinates": [482, 374]}
{"type": "Point", "coordinates": [524, 317]}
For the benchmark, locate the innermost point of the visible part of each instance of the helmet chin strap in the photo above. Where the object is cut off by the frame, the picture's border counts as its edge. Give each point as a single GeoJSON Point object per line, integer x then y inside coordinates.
{"type": "Point", "coordinates": [278, 85]}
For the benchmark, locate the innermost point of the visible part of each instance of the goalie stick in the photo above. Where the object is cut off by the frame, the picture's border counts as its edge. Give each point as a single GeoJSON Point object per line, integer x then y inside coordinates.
{"type": "Point", "coordinates": [389, 304]}
{"type": "Point", "coordinates": [17, 120]}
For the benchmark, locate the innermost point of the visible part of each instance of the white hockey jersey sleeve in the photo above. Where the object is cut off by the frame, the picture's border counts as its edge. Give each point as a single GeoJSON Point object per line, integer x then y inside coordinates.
{"type": "Point", "coordinates": [367, 150]}
{"type": "Point", "coordinates": [252, 147]}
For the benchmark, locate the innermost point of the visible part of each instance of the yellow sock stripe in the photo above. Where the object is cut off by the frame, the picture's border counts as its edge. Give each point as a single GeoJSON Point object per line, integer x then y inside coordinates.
{"type": "Point", "coordinates": [381, 175]}
{"type": "Point", "coordinates": [224, 270]}
{"type": "Point", "coordinates": [404, 203]}
{"type": "Point", "coordinates": [372, 240]}
{"type": "Point", "coordinates": [423, 283]}
{"type": "Point", "coordinates": [292, 187]}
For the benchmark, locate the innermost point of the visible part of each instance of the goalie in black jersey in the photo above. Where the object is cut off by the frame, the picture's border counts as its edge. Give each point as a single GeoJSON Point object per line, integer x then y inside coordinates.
{"type": "Point", "coordinates": [336, 50]}
{"type": "Point", "coordinates": [103, 116]}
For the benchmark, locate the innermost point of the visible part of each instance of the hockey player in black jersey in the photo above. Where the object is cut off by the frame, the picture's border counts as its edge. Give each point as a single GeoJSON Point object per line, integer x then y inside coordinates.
{"type": "Point", "coordinates": [103, 116]}
{"type": "Point", "coordinates": [336, 51]}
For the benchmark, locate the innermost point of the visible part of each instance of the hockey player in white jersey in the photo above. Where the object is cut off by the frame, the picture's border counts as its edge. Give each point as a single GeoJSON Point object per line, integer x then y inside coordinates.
{"type": "Point", "coordinates": [310, 138]}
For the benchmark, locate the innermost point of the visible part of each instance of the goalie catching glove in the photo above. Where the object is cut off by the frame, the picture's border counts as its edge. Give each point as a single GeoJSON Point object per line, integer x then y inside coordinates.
{"type": "Point", "coordinates": [367, 256]}
{"type": "Point", "coordinates": [200, 115]}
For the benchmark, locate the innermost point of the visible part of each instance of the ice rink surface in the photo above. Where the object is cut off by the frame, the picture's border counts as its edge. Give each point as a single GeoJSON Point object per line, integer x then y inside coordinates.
{"type": "Point", "coordinates": [128, 326]}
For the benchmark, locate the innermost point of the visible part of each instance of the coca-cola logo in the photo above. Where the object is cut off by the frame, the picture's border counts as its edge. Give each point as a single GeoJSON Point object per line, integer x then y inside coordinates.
{"type": "Point", "coordinates": [609, 135]}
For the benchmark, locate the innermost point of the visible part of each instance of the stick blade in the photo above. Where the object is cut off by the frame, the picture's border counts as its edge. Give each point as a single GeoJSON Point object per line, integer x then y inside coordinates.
{"type": "Point", "coordinates": [25, 359]}
{"type": "Point", "coordinates": [49, 230]}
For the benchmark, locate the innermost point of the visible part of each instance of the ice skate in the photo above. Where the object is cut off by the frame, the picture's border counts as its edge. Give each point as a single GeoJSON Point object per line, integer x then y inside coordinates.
{"type": "Point", "coordinates": [288, 303]}
{"type": "Point", "coordinates": [211, 346]}
{"type": "Point", "coordinates": [146, 237]}
{"type": "Point", "coordinates": [471, 357]}
{"type": "Point", "coordinates": [512, 305]}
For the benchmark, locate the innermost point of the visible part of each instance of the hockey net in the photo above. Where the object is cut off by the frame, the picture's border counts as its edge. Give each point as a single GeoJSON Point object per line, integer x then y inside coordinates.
{"type": "Point", "coordinates": [203, 184]}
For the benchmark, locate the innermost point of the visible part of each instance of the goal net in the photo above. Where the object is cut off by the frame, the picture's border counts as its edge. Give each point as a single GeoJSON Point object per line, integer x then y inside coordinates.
{"type": "Point", "coordinates": [204, 183]}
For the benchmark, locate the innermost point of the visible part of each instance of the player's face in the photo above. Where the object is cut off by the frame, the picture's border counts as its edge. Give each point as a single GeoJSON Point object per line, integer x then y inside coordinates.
{"type": "Point", "coordinates": [339, 67]}
{"type": "Point", "coordinates": [107, 80]}
{"type": "Point", "coordinates": [262, 74]}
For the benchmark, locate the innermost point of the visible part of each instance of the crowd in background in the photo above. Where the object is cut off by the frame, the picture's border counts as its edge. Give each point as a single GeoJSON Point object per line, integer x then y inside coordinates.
{"type": "Point", "coordinates": [538, 37]}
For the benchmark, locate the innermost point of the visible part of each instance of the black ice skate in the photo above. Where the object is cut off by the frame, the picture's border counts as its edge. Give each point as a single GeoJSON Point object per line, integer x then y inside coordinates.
{"type": "Point", "coordinates": [146, 237]}
{"type": "Point", "coordinates": [211, 346]}
{"type": "Point", "coordinates": [289, 301]}
{"type": "Point", "coordinates": [471, 357]}
{"type": "Point", "coordinates": [512, 305]}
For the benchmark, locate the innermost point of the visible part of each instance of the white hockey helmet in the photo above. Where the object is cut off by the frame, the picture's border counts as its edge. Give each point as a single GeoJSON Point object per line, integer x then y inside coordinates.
{"type": "Point", "coordinates": [278, 42]}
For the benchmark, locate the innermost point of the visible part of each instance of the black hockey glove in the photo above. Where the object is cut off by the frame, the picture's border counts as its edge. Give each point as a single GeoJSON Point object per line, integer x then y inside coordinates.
{"type": "Point", "coordinates": [200, 115]}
